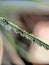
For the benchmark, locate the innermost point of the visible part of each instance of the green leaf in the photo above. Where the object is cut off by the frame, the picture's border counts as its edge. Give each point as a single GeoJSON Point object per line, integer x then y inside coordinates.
{"type": "Point", "coordinates": [10, 26]}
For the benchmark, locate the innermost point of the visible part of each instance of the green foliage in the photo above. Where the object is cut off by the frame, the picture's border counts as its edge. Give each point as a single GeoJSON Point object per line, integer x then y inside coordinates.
{"type": "Point", "coordinates": [8, 28]}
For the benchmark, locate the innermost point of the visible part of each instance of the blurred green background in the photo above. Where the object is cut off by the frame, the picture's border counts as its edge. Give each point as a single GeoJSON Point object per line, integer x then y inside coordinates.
{"type": "Point", "coordinates": [10, 9]}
